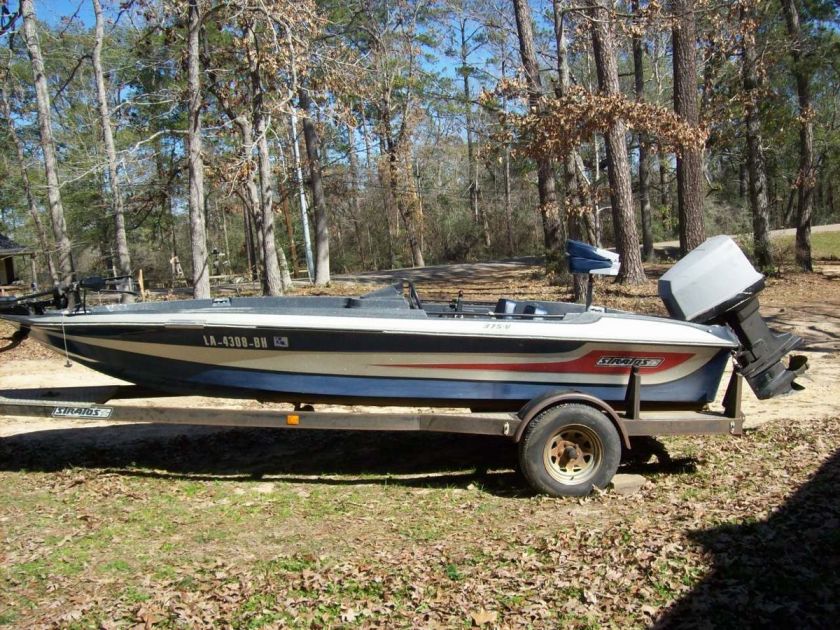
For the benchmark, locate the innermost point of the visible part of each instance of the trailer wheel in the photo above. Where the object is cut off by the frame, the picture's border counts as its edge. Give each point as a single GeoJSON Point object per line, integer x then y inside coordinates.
{"type": "Point", "coordinates": [568, 450]}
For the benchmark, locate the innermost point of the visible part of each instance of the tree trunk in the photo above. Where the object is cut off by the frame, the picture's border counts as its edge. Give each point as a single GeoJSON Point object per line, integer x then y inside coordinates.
{"type": "Point", "coordinates": [644, 149]}
{"type": "Point", "coordinates": [117, 209]}
{"type": "Point", "coordinates": [290, 233]}
{"type": "Point", "coordinates": [664, 188]}
{"type": "Point", "coordinates": [275, 282]}
{"type": "Point", "coordinates": [806, 179]}
{"type": "Point", "coordinates": [576, 219]}
{"type": "Point", "coordinates": [42, 98]}
{"type": "Point", "coordinates": [40, 234]}
{"type": "Point", "coordinates": [618, 164]}
{"type": "Point", "coordinates": [355, 195]}
{"type": "Point", "coordinates": [399, 191]}
{"type": "Point", "coordinates": [756, 168]}
{"type": "Point", "coordinates": [511, 244]}
{"type": "Point", "coordinates": [388, 197]}
{"type": "Point", "coordinates": [404, 208]}
{"type": "Point", "coordinates": [689, 161]}
{"type": "Point", "coordinates": [742, 180]}
{"type": "Point", "coordinates": [250, 249]}
{"type": "Point", "coordinates": [478, 216]}
{"type": "Point", "coordinates": [198, 229]}
{"type": "Point", "coordinates": [553, 232]}
{"type": "Point", "coordinates": [319, 202]}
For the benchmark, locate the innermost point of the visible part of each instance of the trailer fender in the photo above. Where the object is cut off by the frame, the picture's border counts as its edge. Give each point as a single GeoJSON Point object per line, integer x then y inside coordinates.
{"type": "Point", "coordinates": [536, 406]}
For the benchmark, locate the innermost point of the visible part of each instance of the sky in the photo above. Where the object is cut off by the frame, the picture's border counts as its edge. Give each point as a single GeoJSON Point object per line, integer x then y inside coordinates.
{"type": "Point", "coordinates": [52, 11]}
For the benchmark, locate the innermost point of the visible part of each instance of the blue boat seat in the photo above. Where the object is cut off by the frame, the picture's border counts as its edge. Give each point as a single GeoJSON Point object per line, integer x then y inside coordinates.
{"type": "Point", "coordinates": [588, 259]}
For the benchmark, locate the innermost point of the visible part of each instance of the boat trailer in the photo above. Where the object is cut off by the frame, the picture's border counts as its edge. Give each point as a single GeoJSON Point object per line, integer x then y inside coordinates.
{"type": "Point", "coordinates": [569, 442]}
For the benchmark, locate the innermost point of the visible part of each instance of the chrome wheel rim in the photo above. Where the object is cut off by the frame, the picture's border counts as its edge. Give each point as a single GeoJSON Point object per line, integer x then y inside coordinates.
{"type": "Point", "coordinates": [573, 454]}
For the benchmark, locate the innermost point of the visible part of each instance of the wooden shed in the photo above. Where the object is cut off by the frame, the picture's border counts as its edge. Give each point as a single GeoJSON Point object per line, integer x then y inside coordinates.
{"type": "Point", "coordinates": [9, 250]}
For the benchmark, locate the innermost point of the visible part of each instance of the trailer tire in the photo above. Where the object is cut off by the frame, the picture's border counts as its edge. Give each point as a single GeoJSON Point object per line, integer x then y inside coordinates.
{"type": "Point", "coordinates": [568, 450]}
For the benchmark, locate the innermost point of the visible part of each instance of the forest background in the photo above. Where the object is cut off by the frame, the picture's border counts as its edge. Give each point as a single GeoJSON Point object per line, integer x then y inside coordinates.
{"type": "Point", "coordinates": [268, 139]}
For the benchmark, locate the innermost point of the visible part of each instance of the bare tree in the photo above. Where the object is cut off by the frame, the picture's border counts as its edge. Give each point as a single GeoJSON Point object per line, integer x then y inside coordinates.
{"type": "Point", "coordinates": [6, 110]}
{"type": "Point", "coordinates": [395, 51]}
{"type": "Point", "coordinates": [618, 163]}
{"type": "Point", "coordinates": [275, 279]}
{"type": "Point", "coordinates": [577, 221]}
{"type": "Point", "coordinates": [689, 160]}
{"type": "Point", "coordinates": [553, 232]}
{"type": "Point", "coordinates": [355, 205]}
{"type": "Point", "coordinates": [756, 166]}
{"type": "Point", "coordinates": [806, 180]}
{"type": "Point", "coordinates": [319, 202]}
{"type": "Point", "coordinates": [117, 208]}
{"type": "Point", "coordinates": [467, 47]}
{"type": "Point", "coordinates": [644, 148]}
{"type": "Point", "coordinates": [195, 161]}
{"type": "Point", "coordinates": [42, 98]}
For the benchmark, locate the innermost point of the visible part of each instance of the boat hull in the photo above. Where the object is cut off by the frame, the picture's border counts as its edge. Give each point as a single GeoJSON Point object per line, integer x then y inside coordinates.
{"type": "Point", "coordinates": [380, 366]}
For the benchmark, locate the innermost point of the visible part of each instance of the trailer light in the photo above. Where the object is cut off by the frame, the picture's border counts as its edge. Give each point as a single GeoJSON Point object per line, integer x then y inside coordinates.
{"type": "Point", "coordinates": [292, 419]}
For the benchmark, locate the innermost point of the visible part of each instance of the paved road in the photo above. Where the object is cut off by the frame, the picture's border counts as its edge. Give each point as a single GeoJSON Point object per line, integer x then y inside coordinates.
{"type": "Point", "coordinates": [833, 227]}
{"type": "Point", "coordinates": [461, 271]}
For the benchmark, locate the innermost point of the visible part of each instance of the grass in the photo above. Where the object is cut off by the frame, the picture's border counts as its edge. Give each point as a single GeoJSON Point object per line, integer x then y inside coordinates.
{"type": "Point", "coordinates": [824, 245]}
{"type": "Point", "coordinates": [93, 544]}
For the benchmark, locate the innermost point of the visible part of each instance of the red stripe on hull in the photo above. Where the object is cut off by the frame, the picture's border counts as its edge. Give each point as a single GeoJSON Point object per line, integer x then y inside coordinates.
{"type": "Point", "coordinates": [587, 364]}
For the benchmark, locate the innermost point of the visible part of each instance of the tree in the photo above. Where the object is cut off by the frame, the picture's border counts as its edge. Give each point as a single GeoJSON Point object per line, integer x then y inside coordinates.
{"type": "Point", "coordinates": [756, 164]}
{"type": "Point", "coordinates": [6, 110]}
{"type": "Point", "coordinates": [469, 41]}
{"type": "Point", "coordinates": [644, 148]}
{"type": "Point", "coordinates": [806, 180]}
{"type": "Point", "coordinates": [618, 164]}
{"type": "Point", "coordinates": [552, 221]}
{"type": "Point", "coordinates": [117, 208]}
{"type": "Point", "coordinates": [319, 204]}
{"type": "Point", "coordinates": [689, 160]}
{"type": "Point", "coordinates": [195, 161]}
{"type": "Point", "coordinates": [578, 227]}
{"type": "Point", "coordinates": [59, 225]}
{"type": "Point", "coordinates": [275, 280]}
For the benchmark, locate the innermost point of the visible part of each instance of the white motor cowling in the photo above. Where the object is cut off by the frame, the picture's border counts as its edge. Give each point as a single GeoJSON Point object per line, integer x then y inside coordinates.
{"type": "Point", "coordinates": [716, 283]}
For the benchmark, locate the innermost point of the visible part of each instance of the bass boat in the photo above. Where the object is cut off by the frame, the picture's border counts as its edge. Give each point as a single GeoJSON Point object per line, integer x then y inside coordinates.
{"type": "Point", "coordinates": [389, 347]}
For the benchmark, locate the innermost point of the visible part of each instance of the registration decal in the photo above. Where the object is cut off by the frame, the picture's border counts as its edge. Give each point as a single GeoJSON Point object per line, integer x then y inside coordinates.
{"type": "Point", "coordinates": [236, 341]}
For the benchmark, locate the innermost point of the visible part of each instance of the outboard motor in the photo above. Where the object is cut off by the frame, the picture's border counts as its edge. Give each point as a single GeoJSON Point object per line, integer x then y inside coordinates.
{"type": "Point", "coordinates": [715, 283]}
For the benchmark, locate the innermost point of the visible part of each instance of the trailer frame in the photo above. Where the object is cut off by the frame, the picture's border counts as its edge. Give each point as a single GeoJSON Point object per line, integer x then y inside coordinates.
{"type": "Point", "coordinates": [631, 419]}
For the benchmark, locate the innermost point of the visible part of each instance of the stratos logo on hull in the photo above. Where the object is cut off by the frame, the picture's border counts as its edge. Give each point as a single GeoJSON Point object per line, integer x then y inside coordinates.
{"type": "Point", "coordinates": [639, 362]}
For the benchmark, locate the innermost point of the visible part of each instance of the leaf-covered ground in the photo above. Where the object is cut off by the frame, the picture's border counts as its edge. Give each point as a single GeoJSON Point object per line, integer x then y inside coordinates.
{"type": "Point", "coordinates": [260, 528]}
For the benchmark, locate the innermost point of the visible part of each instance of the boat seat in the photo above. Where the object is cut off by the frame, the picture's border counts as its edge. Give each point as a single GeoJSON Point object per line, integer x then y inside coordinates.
{"type": "Point", "coordinates": [505, 306]}
{"type": "Point", "coordinates": [511, 307]}
{"type": "Point", "coordinates": [588, 259]}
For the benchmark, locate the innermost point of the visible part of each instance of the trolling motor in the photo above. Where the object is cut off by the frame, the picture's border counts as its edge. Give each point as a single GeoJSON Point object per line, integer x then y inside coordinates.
{"type": "Point", "coordinates": [716, 284]}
